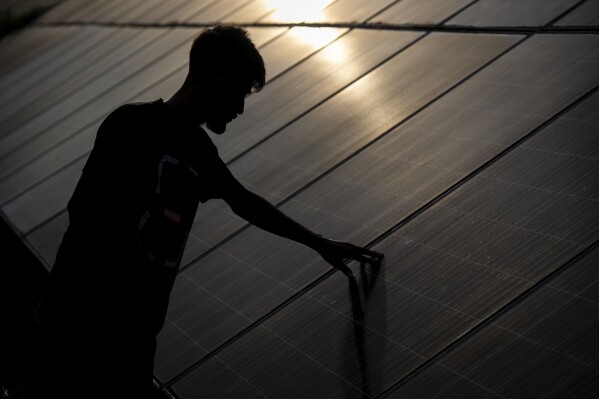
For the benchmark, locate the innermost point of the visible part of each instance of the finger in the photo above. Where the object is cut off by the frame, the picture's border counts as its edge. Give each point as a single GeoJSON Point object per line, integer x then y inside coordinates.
{"type": "Point", "coordinates": [343, 268]}
{"type": "Point", "coordinates": [369, 258]}
{"type": "Point", "coordinates": [370, 252]}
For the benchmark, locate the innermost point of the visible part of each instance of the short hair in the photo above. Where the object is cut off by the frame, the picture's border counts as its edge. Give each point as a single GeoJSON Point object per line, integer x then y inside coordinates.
{"type": "Point", "coordinates": [232, 47]}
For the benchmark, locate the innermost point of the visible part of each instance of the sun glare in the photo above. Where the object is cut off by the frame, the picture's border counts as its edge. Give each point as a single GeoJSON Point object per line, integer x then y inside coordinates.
{"type": "Point", "coordinates": [318, 37]}
{"type": "Point", "coordinates": [299, 11]}
{"type": "Point", "coordinates": [306, 11]}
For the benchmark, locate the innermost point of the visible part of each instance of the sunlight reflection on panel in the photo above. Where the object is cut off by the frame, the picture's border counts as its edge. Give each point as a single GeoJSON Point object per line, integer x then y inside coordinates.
{"type": "Point", "coordinates": [317, 37]}
{"type": "Point", "coordinates": [298, 11]}
{"type": "Point", "coordinates": [336, 54]}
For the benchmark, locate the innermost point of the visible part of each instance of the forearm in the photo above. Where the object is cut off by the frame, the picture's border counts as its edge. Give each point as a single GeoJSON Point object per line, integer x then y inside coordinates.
{"type": "Point", "coordinates": [264, 215]}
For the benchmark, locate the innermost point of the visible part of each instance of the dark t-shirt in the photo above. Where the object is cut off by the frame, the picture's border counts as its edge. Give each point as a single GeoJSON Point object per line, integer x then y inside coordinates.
{"type": "Point", "coordinates": [130, 216]}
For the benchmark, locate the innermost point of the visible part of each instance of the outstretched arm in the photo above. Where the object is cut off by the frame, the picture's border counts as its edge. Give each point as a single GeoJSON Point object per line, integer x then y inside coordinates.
{"type": "Point", "coordinates": [263, 214]}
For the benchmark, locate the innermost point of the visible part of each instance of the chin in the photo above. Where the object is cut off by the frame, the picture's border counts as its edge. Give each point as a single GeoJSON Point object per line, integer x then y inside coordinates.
{"type": "Point", "coordinates": [216, 127]}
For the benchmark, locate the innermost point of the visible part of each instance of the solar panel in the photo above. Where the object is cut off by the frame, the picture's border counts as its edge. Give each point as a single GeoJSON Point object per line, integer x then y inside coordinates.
{"type": "Point", "coordinates": [91, 8]}
{"type": "Point", "coordinates": [353, 10]}
{"type": "Point", "coordinates": [217, 11]}
{"type": "Point", "coordinates": [477, 181]}
{"type": "Point", "coordinates": [309, 84]}
{"type": "Point", "coordinates": [361, 112]}
{"type": "Point", "coordinates": [62, 11]}
{"type": "Point", "coordinates": [87, 106]}
{"type": "Point", "coordinates": [44, 201]}
{"type": "Point", "coordinates": [587, 14]}
{"type": "Point", "coordinates": [420, 12]}
{"type": "Point", "coordinates": [24, 49]}
{"type": "Point", "coordinates": [11, 82]}
{"type": "Point", "coordinates": [47, 238]}
{"type": "Point", "coordinates": [580, 279]}
{"type": "Point", "coordinates": [85, 87]}
{"type": "Point", "coordinates": [543, 346]}
{"type": "Point", "coordinates": [98, 9]}
{"type": "Point", "coordinates": [293, 47]}
{"type": "Point", "coordinates": [134, 12]}
{"type": "Point", "coordinates": [263, 35]}
{"type": "Point", "coordinates": [39, 91]}
{"type": "Point", "coordinates": [222, 376]}
{"type": "Point", "coordinates": [165, 10]}
{"type": "Point", "coordinates": [250, 12]}
{"type": "Point", "coordinates": [512, 12]}
{"type": "Point", "coordinates": [189, 9]}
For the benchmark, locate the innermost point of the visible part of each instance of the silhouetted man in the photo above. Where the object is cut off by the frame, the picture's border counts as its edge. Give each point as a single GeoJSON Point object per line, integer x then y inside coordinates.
{"type": "Point", "coordinates": [130, 215]}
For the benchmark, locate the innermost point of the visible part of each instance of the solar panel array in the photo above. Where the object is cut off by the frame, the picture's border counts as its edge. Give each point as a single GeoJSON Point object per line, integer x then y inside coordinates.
{"type": "Point", "coordinates": [458, 137]}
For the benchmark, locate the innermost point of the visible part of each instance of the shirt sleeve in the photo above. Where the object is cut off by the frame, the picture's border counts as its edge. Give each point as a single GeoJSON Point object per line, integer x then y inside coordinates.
{"type": "Point", "coordinates": [221, 182]}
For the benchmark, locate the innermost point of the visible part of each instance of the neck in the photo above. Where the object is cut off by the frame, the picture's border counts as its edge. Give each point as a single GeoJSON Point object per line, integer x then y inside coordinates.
{"type": "Point", "coordinates": [183, 107]}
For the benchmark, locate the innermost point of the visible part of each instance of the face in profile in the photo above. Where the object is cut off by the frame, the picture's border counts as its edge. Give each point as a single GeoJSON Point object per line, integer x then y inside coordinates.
{"type": "Point", "coordinates": [226, 102]}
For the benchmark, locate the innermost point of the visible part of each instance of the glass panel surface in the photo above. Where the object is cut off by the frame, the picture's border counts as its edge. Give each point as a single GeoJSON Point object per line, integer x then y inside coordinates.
{"type": "Point", "coordinates": [50, 196]}
{"type": "Point", "coordinates": [445, 271]}
{"type": "Point", "coordinates": [189, 9]}
{"type": "Point", "coordinates": [420, 12]}
{"type": "Point", "coordinates": [294, 46]}
{"type": "Point", "coordinates": [166, 9]}
{"type": "Point", "coordinates": [39, 90]}
{"type": "Point", "coordinates": [48, 237]}
{"type": "Point", "coordinates": [106, 10]}
{"type": "Point", "coordinates": [87, 13]}
{"type": "Point", "coordinates": [548, 338]}
{"type": "Point", "coordinates": [307, 85]}
{"type": "Point", "coordinates": [93, 80]}
{"type": "Point", "coordinates": [20, 80]}
{"type": "Point", "coordinates": [92, 104]}
{"type": "Point", "coordinates": [63, 10]}
{"type": "Point", "coordinates": [21, 49]}
{"type": "Point", "coordinates": [250, 12]}
{"type": "Point", "coordinates": [354, 10]}
{"type": "Point", "coordinates": [512, 12]}
{"type": "Point", "coordinates": [585, 15]}
{"type": "Point", "coordinates": [217, 11]}
{"type": "Point", "coordinates": [342, 11]}
{"type": "Point", "coordinates": [363, 111]}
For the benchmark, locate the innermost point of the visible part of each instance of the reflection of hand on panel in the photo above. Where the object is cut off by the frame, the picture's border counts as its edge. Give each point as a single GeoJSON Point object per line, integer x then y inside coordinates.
{"type": "Point", "coordinates": [369, 325]}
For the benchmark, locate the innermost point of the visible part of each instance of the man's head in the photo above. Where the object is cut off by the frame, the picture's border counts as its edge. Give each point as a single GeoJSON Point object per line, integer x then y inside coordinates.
{"type": "Point", "coordinates": [224, 67]}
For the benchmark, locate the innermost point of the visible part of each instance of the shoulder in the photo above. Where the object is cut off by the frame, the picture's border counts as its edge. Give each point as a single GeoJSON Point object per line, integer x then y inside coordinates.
{"type": "Point", "coordinates": [137, 113]}
{"type": "Point", "coordinates": [126, 121]}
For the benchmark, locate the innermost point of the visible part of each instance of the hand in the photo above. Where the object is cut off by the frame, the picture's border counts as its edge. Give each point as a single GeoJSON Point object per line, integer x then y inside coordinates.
{"type": "Point", "coordinates": [337, 253]}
